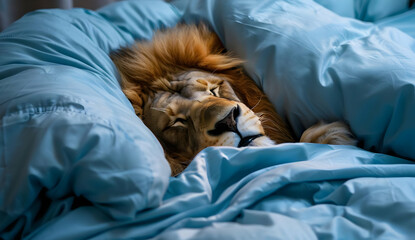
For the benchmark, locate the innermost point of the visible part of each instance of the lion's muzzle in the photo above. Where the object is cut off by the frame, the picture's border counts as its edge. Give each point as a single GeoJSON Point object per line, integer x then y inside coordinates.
{"type": "Point", "coordinates": [229, 124]}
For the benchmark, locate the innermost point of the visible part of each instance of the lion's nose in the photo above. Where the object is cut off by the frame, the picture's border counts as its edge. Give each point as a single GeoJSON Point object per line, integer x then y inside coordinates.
{"type": "Point", "coordinates": [228, 123]}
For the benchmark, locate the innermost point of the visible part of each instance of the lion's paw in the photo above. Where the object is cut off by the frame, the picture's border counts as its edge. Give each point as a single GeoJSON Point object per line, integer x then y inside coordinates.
{"type": "Point", "coordinates": [337, 133]}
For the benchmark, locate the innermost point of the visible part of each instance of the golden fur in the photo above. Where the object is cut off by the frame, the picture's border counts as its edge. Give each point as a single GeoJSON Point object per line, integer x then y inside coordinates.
{"type": "Point", "coordinates": [150, 68]}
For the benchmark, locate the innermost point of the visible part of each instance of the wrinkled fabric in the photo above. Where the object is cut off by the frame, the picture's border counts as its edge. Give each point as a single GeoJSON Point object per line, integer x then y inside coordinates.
{"type": "Point", "coordinates": [67, 132]}
{"type": "Point", "coordinates": [316, 65]}
{"type": "Point", "coordinates": [76, 163]}
{"type": "Point", "coordinates": [366, 10]}
{"type": "Point", "coordinates": [290, 191]}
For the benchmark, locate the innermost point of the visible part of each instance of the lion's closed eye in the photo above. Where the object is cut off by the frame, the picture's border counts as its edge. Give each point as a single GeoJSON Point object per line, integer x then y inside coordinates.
{"type": "Point", "coordinates": [214, 91]}
{"type": "Point", "coordinates": [179, 122]}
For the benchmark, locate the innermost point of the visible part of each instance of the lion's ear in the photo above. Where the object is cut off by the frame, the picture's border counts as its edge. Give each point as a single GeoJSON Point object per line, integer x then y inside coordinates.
{"type": "Point", "coordinates": [137, 97]}
{"type": "Point", "coordinates": [125, 60]}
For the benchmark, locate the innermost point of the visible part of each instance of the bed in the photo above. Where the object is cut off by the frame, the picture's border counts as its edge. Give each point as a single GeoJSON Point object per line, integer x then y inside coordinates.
{"type": "Point", "coordinates": [76, 163]}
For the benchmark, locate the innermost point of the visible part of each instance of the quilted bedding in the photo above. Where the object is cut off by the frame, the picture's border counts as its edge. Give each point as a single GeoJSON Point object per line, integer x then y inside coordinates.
{"type": "Point", "coordinates": [76, 163]}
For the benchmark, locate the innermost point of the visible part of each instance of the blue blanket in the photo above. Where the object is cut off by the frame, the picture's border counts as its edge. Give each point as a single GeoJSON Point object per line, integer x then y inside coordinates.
{"type": "Point", "coordinates": [76, 163]}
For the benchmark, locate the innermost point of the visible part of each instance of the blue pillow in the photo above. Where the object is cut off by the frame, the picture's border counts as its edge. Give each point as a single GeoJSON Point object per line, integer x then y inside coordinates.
{"type": "Point", "coordinates": [67, 132]}
{"type": "Point", "coordinates": [366, 10]}
{"type": "Point", "coordinates": [316, 65]}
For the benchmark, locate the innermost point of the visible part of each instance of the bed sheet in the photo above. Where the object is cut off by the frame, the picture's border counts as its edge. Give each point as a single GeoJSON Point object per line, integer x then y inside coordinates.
{"type": "Point", "coordinates": [68, 134]}
{"type": "Point", "coordinates": [291, 191]}
{"type": "Point", "coordinates": [76, 163]}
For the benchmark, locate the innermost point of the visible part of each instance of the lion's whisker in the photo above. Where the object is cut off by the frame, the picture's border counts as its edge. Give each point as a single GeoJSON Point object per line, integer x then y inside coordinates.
{"type": "Point", "coordinates": [257, 103]}
{"type": "Point", "coordinates": [159, 109]}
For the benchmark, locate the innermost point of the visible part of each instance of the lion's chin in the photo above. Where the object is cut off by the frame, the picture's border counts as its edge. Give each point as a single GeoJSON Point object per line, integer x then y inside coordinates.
{"type": "Point", "coordinates": [261, 141]}
{"type": "Point", "coordinates": [236, 140]}
{"type": "Point", "coordinates": [245, 141]}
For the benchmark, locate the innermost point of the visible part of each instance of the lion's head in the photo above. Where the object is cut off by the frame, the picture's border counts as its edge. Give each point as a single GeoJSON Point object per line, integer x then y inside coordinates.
{"type": "Point", "coordinates": [192, 94]}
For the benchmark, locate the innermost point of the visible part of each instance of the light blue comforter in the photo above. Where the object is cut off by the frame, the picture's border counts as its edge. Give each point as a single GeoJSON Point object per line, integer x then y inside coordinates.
{"type": "Point", "coordinates": [76, 163]}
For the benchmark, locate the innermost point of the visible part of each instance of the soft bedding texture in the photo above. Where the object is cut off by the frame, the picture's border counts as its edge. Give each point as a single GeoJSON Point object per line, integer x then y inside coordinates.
{"type": "Point", "coordinates": [324, 67]}
{"type": "Point", "coordinates": [76, 163]}
{"type": "Point", "coordinates": [67, 130]}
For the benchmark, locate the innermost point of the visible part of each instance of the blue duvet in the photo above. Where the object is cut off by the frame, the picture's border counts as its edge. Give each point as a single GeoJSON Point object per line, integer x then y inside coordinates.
{"type": "Point", "coordinates": [76, 163]}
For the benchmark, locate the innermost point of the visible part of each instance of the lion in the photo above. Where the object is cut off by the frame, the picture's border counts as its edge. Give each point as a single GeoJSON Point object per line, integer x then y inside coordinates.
{"type": "Point", "coordinates": [192, 94]}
